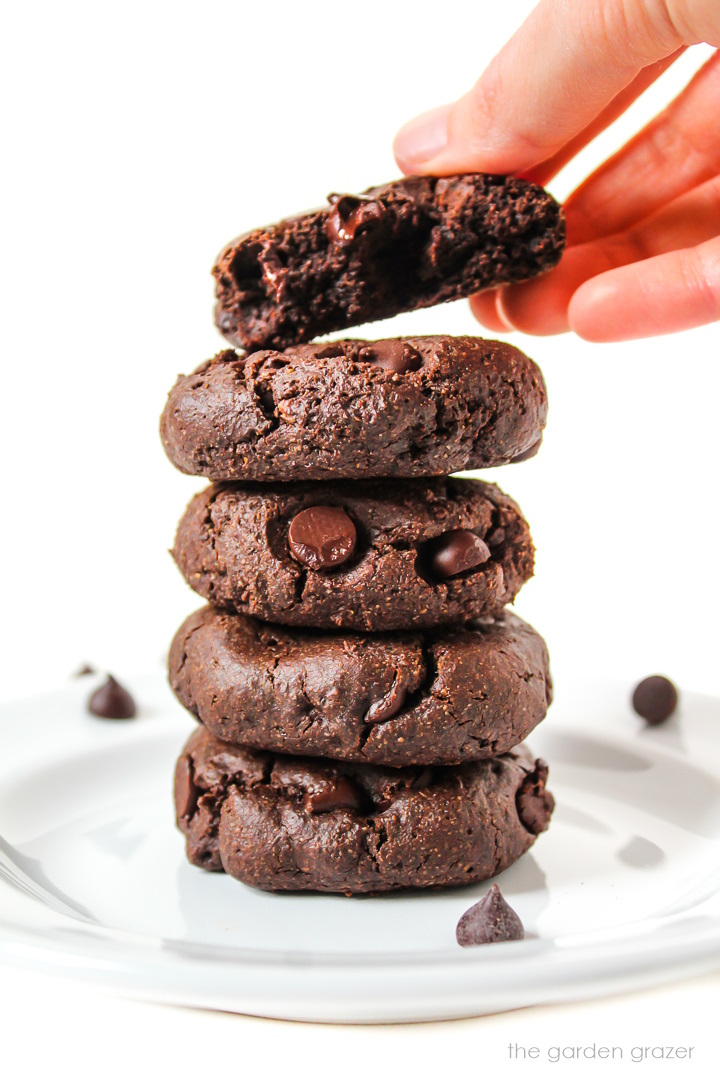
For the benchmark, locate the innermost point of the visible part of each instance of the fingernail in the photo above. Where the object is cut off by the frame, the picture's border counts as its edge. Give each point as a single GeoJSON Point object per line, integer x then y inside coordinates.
{"type": "Point", "coordinates": [423, 138]}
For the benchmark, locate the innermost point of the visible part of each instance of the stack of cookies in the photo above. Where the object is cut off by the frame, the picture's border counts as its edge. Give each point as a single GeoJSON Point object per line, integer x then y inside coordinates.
{"type": "Point", "coordinates": [362, 692]}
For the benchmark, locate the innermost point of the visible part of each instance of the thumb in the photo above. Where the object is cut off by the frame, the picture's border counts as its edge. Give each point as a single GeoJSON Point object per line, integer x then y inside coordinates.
{"type": "Point", "coordinates": [567, 61]}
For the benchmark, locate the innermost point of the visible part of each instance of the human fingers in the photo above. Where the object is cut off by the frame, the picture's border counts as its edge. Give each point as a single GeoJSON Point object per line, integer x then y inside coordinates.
{"type": "Point", "coordinates": [565, 64]}
{"type": "Point", "coordinates": [546, 170]}
{"type": "Point", "coordinates": [676, 152]}
{"type": "Point", "coordinates": [541, 306]}
{"type": "Point", "coordinates": [662, 295]}
{"type": "Point", "coordinates": [485, 309]}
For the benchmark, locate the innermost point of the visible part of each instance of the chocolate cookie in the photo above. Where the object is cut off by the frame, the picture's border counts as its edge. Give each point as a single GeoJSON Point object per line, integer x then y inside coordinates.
{"type": "Point", "coordinates": [410, 244]}
{"type": "Point", "coordinates": [460, 693]}
{"type": "Point", "coordinates": [351, 409]}
{"type": "Point", "coordinates": [280, 822]}
{"type": "Point", "coordinates": [363, 555]}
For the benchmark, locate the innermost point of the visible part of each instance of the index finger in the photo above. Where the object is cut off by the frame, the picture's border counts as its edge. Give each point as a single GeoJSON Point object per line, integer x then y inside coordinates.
{"type": "Point", "coordinates": [564, 65]}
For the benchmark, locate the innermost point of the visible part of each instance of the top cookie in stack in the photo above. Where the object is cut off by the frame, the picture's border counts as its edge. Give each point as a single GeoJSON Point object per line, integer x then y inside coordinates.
{"type": "Point", "coordinates": [411, 244]}
{"type": "Point", "coordinates": [406, 769]}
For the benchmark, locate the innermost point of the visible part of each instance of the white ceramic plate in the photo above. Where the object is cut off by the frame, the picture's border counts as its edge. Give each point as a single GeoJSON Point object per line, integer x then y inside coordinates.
{"type": "Point", "coordinates": [622, 892]}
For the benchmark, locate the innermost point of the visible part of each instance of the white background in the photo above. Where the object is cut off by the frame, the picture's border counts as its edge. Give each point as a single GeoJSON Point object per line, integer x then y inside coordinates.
{"type": "Point", "coordinates": [136, 139]}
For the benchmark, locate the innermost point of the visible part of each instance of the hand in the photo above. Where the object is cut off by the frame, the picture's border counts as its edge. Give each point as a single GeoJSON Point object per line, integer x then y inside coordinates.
{"type": "Point", "coordinates": [643, 252]}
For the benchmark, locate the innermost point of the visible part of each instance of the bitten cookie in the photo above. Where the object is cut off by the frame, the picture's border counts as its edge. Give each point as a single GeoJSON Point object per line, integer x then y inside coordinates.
{"type": "Point", "coordinates": [284, 823]}
{"type": "Point", "coordinates": [363, 555]}
{"type": "Point", "coordinates": [461, 693]}
{"type": "Point", "coordinates": [405, 245]}
{"type": "Point", "coordinates": [351, 409]}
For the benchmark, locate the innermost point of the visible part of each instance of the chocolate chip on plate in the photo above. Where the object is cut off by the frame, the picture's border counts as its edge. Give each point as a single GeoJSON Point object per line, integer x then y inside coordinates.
{"type": "Point", "coordinates": [84, 669]}
{"type": "Point", "coordinates": [456, 551]}
{"type": "Point", "coordinates": [655, 699]}
{"type": "Point", "coordinates": [322, 537]}
{"type": "Point", "coordinates": [111, 701]}
{"type": "Point", "coordinates": [490, 920]}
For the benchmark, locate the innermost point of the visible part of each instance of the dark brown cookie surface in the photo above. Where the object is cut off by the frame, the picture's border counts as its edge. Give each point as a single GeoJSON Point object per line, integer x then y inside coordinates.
{"type": "Point", "coordinates": [284, 823]}
{"type": "Point", "coordinates": [456, 694]}
{"type": "Point", "coordinates": [424, 553]}
{"type": "Point", "coordinates": [410, 244]}
{"type": "Point", "coordinates": [352, 409]}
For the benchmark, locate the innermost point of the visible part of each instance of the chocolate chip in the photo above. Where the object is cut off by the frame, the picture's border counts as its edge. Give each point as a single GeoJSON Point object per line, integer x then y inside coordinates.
{"type": "Point", "coordinates": [534, 804]}
{"type": "Point", "coordinates": [273, 270]}
{"type": "Point", "coordinates": [531, 451]}
{"type": "Point", "coordinates": [332, 350]}
{"type": "Point", "coordinates": [351, 215]}
{"type": "Point", "coordinates": [655, 699]}
{"type": "Point", "coordinates": [393, 355]}
{"type": "Point", "coordinates": [490, 920]}
{"type": "Point", "coordinates": [111, 701]}
{"type": "Point", "coordinates": [322, 537]}
{"type": "Point", "coordinates": [339, 794]}
{"type": "Point", "coordinates": [388, 706]}
{"type": "Point", "coordinates": [186, 793]}
{"type": "Point", "coordinates": [85, 669]}
{"type": "Point", "coordinates": [454, 552]}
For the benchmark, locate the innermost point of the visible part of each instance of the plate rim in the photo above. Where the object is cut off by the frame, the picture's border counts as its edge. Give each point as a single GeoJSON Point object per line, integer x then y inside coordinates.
{"type": "Point", "coordinates": [147, 966]}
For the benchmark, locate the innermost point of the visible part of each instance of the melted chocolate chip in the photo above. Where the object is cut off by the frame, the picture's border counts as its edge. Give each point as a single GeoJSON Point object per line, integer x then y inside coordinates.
{"type": "Point", "coordinates": [534, 803]}
{"type": "Point", "coordinates": [273, 270]}
{"type": "Point", "coordinates": [529, 453]}
{"type": "Point", "coordinates": [655, 699]}
{"type": "Point", "coordinates": [454, 552]}
{"type": "Point", "coordinates": [330, 351]}
{"type": "Point", "coordinates": [392, 355]}
{"type": "Point", "coordinates": [490, 920]}
{"type": "Point", "coordinates": [351, 215]}
{"type": "Point", "coordinates": [111, 701]}
{"type": "Point", "coordinates": [186, 793]}
{"type": "Point", "coordinates": [322, 537]}
{"type": "Point", "coordinates": [388, 706]}
{"type": "Point", "coordinates": [340, 794]}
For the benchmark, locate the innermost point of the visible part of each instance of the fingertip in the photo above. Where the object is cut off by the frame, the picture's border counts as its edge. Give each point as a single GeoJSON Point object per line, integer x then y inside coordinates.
{"type": "Point", "coordinates": [593, 309]}
{"type": "Point", "coordinates": [534, 307]}
{"type": "Point", "coordinates": [422, 140]}
{"type": "Point", "coordinates": [484, 308]}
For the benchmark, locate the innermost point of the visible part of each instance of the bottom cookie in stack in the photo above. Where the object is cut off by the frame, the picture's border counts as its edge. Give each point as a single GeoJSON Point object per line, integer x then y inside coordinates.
{"type": "Point", "coordinates": [345, 762]}
{"type": "Point", "coordinates": [295, 823]}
